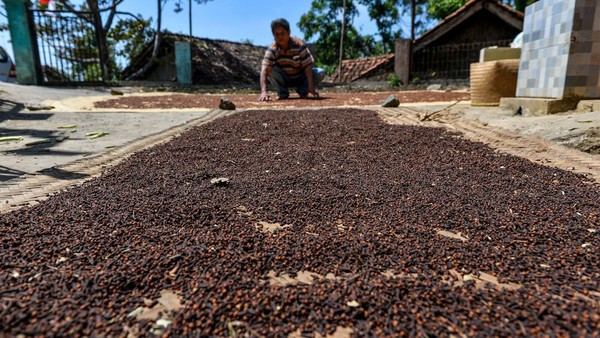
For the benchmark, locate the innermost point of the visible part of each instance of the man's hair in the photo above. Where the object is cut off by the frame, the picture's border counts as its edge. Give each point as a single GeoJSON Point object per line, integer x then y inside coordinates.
{"type": "Point", "coordinates": [283, 23]}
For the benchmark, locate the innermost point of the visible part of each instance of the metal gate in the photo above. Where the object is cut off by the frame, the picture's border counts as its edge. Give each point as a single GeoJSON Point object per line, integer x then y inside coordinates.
{"type": "Point", "coordinates": [451, 61]}
{"type": "Point", "coordinates": [68, 48]}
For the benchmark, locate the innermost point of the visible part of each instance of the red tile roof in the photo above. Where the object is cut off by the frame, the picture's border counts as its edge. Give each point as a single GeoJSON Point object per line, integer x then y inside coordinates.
{"type": "Point", "coordinates": [353, 70]}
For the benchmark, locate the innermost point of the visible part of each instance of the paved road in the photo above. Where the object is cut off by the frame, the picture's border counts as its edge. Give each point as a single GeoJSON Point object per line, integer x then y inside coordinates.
{"type": "Point", "coordinates": [16, 158]}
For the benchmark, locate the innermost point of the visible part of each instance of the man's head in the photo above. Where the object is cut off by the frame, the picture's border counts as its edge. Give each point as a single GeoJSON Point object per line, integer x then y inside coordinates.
{"type": "Point", "coordinates": [281, 32]}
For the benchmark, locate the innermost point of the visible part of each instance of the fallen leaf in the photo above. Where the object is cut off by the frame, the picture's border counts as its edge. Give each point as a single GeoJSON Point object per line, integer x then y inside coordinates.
{"type": "Point", "coordinates": [452, 235]}
{"type": "Point", "coordinates": [331, 276]}
{"type": "Point", "coordinates": [170, 300]}
{"type": "Point", "coordinates": [219, 181]}
{"type": "Point", "coordinates": [96, 134]}
{"type": "Point", "coordinates": [494, 280]}
{"type": "Point", "coordinates": [136, 312]}
{"type": "Point", "coordinates": [306, 277]}
{"type": "Point", "coordinates": [42, 141]}
{"type": "Point", "coordinates": [341, 332]}
{"type": "Point", "coordinates": [483, 278]}
{"type": "Point", "coordinates": [281, 280]}
{"type": "Point", "coordinates": [458, 276]}
{"type": "Point", "coordinates": [163, 322]}
{"type": "Point", "coordinates": [11, 138]}
{"type": "Point", "coordinates": [392, 274]}
{"type": "Point", "coordinates": [267, 227]}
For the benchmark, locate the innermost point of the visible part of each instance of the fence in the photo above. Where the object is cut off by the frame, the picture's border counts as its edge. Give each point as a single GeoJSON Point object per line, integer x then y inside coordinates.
{"type": "Point", "coordinates": [451, 61]}
{"type": "Point", "coordinates": [68, 47]}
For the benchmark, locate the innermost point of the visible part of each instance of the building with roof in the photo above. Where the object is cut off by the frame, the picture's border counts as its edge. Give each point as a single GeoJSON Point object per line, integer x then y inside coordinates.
{"type": "Point", "coordinates": [214, 62]}
{"type": "Point", "coordinates": [445, 51]}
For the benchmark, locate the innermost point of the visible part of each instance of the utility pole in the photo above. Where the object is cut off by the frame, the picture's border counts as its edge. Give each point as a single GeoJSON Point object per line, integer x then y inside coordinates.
{"type": "Point", "coordinates": [190, 18]}
{"type": "Point", "coordinates": [413, 15]}
{"type": "Point", "coordinates": [342, 41]}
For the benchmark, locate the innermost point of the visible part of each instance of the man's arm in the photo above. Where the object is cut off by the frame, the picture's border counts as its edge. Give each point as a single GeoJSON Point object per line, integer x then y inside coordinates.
{"type": "Point", "coordinates": [264, 89]}
{"type": "Point", "coordinates": [308, 70]}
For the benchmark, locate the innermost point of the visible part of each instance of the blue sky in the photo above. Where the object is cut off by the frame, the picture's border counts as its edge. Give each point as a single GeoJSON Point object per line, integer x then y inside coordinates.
{"type": "Point", "coordinates": [233, 20]}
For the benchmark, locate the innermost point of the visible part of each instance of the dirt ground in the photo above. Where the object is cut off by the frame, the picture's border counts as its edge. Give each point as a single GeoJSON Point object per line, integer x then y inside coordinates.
{"type": "Point", "coordinates": [138, 113]}
{"type": "Point", "coordinates": [247, 101]}
{"type": "Point", "coordinates": [308, 223]}
{"type": "Point", "coordinates": [579, 130]}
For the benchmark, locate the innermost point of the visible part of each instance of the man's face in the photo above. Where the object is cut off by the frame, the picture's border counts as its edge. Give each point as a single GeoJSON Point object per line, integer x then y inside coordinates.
{"type": "Point", "coordinates": [282, 36]}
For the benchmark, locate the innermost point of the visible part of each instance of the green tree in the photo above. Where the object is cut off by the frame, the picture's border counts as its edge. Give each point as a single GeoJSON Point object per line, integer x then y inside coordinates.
{"type": "Point", "coordinates": [439, 9]}
{"type": "Point", "coordinates": [323, 21]}
{"type": "Point", "coordinates": [96, 8]}
{"type": "Point", "coordinates": [160, 4]}
{"type": "Point", "coordinates": [386, 15]}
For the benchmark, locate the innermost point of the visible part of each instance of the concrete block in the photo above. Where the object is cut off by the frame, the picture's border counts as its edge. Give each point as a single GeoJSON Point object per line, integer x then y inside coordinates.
{"type": "Point", "coordinates": [539, 106]}
{"type": "Point", "coordinates": [499, 53]}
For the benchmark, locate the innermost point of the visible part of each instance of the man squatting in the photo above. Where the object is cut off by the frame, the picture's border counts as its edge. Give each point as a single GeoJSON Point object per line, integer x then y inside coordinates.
{"type": "Point", "coordinates": [288, 64]}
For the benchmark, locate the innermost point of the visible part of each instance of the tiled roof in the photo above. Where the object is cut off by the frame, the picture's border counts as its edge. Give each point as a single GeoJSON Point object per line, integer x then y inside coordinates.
{"type": "Point", "coordinates": [503, 11]}
{"type": "Point", "coordinates": [353, 70]}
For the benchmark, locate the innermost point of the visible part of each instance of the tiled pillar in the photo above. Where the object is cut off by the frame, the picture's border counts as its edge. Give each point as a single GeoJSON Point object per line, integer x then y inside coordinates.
{"type": "Point", "coordinates": [22, 41]}
{"type": "Point", "coordinates": [560, 57]}
{"type": "Point", "coordinates": [183, 62]}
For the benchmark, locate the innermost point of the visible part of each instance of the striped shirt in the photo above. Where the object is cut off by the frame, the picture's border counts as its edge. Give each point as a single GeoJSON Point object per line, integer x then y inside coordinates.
{"type": "Point", "coordinates": [293, 61]}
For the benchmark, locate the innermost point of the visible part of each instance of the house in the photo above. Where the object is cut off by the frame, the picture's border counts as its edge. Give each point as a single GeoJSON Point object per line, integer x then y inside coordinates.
{"type": "Point", "coordinates": [447, 50]}
{"type": "Point", "coordinates": [214, 62]}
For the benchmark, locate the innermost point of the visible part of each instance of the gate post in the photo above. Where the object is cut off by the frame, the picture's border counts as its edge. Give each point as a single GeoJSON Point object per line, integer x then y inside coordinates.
{"type": "Point", "coordinates": [22, 36]}
{"type": "Point", "coordinates": [402, 66]}
{"type": "Point", "coordinates": [183, 62]}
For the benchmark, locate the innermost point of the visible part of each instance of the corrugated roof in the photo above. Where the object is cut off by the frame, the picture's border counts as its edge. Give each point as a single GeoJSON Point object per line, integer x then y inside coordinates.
{"type": "Point", "coordinates": [353, 70]}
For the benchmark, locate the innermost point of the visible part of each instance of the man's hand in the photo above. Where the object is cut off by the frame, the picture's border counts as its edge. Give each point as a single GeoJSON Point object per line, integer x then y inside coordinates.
{"type": "Point", "coordinates": [312, 91]}
{"type": "Point", "coordinates": [264, 96]}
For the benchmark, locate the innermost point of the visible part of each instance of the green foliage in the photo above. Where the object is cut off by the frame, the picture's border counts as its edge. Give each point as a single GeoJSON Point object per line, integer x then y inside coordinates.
{"type": "Point", "coordinates": [129, 36]}
{"type": "Point", "coordinates": [439, 9]}
{"type": "Point", "coordinates": [394, 80]}
{"type": "Point", "coordinates": [329, 69]}
{"type": "Point", "coordinates": [247, 41]}
{"type": "Point", "coordinates": [323, 22]}
{"type": "Point", "coordinates": [386, 15]}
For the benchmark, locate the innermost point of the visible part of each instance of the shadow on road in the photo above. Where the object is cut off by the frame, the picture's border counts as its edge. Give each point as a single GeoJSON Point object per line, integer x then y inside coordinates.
{"type": "Point", "coordinates": [8, 173]}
